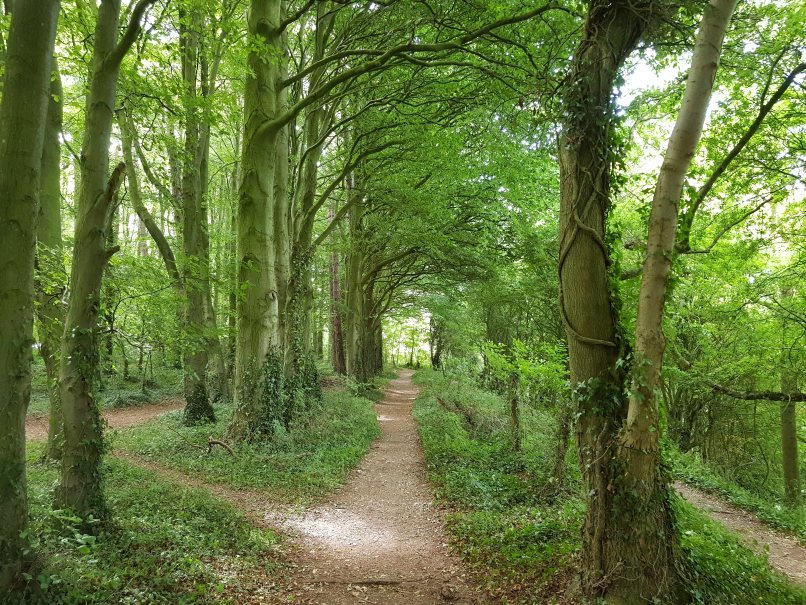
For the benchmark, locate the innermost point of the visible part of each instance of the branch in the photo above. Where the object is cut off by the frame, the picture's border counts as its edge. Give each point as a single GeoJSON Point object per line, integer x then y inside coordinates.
{"type": "Point", "coordinates": [383, 57]}
{"type": "Point", "coordinates": [130, 35]}
{"type": "Point", "coordinates": [728, 227]}
{"type": "Point", "coordinates": [297, 15]}
{"type": "Point", "coordinates": [688, 217]}
{"type": "Point", "coordinates": [756, 395]}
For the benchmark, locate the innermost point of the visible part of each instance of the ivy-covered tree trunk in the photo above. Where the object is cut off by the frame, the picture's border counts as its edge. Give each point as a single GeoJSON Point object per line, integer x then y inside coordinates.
{"type": "Point", "coordinates": [51, 274]}
{"type": "Point", "coordinates": [22, 130]}
{"type": "Point", "coordinates": [257, 356]}
{"type": "Point", "coordinates": [80, 487]}
{"type": "Point", "coordinates": [626, 549]}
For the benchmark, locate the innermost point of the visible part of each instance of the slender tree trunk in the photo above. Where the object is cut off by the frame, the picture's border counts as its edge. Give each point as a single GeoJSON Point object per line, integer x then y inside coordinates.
{"type": "Point", "coordinates": [789, 424]}
{"type": "Point", "coordinates": [80, 488]}
{"type": "Point", "coordinates": [336, 331]}
{"type": "Point", "coordinates": [51, 272]}
{"type": "Point", "coordinates": [561, 436]}
{"type": "Point", "coordinates": [22, 129]}
{"type": "Point", "coordinates": [514, 411]}
{"type": "Point", "coordinates": [639, 451]}
{"type": "Point", "coordinates": [198, 409]}
{"type": "Point", "coordinates": [218, 384]}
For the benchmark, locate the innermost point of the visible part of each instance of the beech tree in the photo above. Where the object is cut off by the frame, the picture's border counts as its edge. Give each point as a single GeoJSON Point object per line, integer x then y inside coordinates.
{"type": "Point", "coordinates": [81, 486]}
{"type": "Point", "coordinates": [629, 540]}
{"type": "Point", "coordinates": [23, 112]}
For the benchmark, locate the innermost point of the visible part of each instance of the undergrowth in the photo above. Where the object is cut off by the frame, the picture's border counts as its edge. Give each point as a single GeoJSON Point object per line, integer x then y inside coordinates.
{"type": "Point", "coordinates": [524, 547]}
{"type": "Point", "coordinates": [299, 465]}
{"type": "Point", "coordinates": [167, 544]}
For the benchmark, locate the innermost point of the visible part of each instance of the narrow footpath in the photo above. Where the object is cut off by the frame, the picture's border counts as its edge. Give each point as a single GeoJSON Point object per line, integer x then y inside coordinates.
{"type": "Point", "coordinates": [784, 553]}
{"type": "Point", "coordinates": [380, 538]}
{"type": "Point", "coordinates": [36, 427]}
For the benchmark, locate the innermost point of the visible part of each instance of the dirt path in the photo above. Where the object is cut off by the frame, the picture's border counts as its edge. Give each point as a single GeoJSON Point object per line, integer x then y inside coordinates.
{"type": "Point", "coordinates": [380, 538]}
{"type": "Point", "coordinates": [785, 553]}
{"type": "Point", "coordinates": [36, 427]}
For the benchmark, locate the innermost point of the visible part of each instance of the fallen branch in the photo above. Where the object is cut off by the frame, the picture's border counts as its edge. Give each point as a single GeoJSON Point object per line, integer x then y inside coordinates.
{"type": "Point", "coordinates": [211, 442]}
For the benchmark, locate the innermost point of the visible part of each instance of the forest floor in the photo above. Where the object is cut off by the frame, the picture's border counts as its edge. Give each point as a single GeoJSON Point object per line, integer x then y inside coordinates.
{"type": "Point", "coordinates": [784, 553]}
{"type": "Point", "coordinates": [36, 427]}
{"type": "Point", "coordinates": [380, 538]}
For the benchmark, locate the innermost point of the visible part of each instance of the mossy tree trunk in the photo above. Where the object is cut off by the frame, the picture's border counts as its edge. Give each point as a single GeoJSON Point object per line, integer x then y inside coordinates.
{"type": "Point", "coordinates": [195, 267]}
{"type": "Point", "coordinates": [51, 273]}
{"type": "Point", "coordinates": [80, 487]}
{"type": "Point", "coordinates": [256, 383]}
{"type": "Point", "coordinates": [629, 535]}
{"type": "Point", "coordinates": [610, 561]}
{"type": "Point", "coordinates": [22, 129]}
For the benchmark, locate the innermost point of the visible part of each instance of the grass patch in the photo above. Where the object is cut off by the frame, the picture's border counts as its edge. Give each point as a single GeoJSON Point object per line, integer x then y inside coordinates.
{"type": "Point", "coordinates": [521, 549]}
{"type": "Point", "coordinates": [693, 471]}
{"type": "Point", "coordinates": [166, 544]}
{"type": "Point", "coordinates": [524, 550]}
{"type": "Point", "coordinates": [297, 466]}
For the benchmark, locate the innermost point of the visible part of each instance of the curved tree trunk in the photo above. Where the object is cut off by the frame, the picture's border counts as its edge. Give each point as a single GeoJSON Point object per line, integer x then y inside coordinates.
{"type": "Point", "coordinates": [639, 450]}
{"type": "Point", "coordinates": [613, 563]}
{"type": "Point", "coordinates": [22, 130]}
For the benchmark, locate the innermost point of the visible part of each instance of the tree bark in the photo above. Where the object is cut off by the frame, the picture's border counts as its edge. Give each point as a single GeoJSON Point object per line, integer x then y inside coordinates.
{"type": "Point", "coordinates": [789, 423]}
{"type": "Point", "coordinates": [198, 409]}
{"type": "Point", "coordinates": [80, 487]}
{"type": "Point", "coordinates": [22, 129]}
{"type": "Point", "coordinates": [51, 272]}
{"type": "Point", "coordinates": [639, 450]}
{"type": "Point", "coordinates": [336, 331]}
{"type": "Point", "coordinates": [614, 564]}
{"type": "Point", "coordinates": [258, 338]}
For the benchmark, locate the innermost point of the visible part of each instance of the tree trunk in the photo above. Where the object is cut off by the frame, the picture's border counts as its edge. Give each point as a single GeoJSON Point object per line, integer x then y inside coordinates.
{"type": "Point", "coordinates": [51, 272]}
{"type": "Point", "coordinates": [514, 412]}
{"type": "Point", "coordinates": [789, 424]}
{"type": "Point", "coordinates": [198, 409]}
{"type": "Point", "coordinates": [80, 488]}
{"type": "Point", "coordinates": [336, 331]}
{"type": "Point", "coordinates": [613, 564]}
{"type": "Point", "coordinates": [22, 129]}
{"type": "Point", "coordinates": [258, 339]}
{"type": "Point", "coordinates": [639, 451]}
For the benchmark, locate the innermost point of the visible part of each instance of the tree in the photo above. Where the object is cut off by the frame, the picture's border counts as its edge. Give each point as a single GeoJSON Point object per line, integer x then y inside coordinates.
{"type": "Point", "coordinates": [81, 487]}
{"type": "Point", "coordinates": [629, 526]}
{"type": "Point", "coordinates": [23, 112]}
